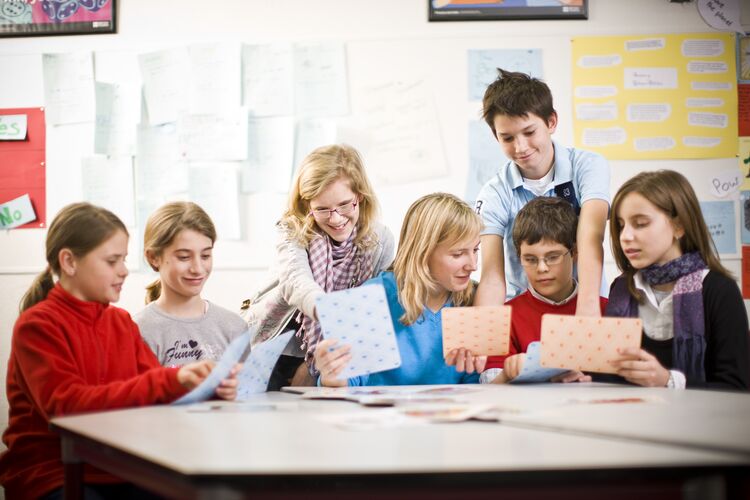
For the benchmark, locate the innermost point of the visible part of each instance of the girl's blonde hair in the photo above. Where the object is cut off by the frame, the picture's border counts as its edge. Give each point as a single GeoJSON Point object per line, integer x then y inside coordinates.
{"type": "Point", "coordinates": [80, 228]}
{"type": "Point", "coordinates": [430, 221]}
{"type": "Point", "coordinates": [671, 193]}
{"type": "Point", "coordinates": [318, 171]}
{"type": "Point", "coordinates": [163, 226]}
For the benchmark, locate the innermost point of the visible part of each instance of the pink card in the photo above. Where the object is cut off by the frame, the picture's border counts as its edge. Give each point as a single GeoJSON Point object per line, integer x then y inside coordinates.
{"type": "Point", "coordinates": [483, 330]}
{"type": "Point", "coordinates": [586, 344]}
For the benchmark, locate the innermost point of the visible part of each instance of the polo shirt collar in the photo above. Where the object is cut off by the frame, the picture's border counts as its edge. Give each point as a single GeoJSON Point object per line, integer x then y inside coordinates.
{"type": "Point", "coordinates": [562, 167]}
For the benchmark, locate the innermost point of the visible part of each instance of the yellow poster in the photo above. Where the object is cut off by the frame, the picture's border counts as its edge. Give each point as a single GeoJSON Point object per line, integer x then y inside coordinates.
{"type": "Point", "coordinates": [656, 96]}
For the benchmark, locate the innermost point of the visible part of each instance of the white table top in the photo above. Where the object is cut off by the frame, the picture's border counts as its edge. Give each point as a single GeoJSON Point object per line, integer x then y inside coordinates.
{"type": "Point", "coordinates": [280, 434]}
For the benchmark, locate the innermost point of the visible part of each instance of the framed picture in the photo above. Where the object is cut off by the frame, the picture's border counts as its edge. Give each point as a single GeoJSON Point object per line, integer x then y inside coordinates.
{"type": "Point", "coordinates": [506, 10]}
{"type": "Point", "coordinates": [56, 17]}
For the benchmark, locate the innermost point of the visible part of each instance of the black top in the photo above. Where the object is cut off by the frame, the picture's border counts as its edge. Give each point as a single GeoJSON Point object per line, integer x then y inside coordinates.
{"type": "Point", "coordinates": [726, 329]}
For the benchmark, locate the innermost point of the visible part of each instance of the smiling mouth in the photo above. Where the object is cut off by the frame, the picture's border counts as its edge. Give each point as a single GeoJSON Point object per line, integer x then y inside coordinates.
{"type": "Point", "coordinates": [339, 227]}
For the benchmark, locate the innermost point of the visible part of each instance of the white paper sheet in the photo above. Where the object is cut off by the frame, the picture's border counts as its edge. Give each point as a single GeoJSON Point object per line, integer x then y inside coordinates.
{"type": "Point", "coordinates": [108, 182]}
{"type": "Point", "coordinates": [214, 186]}
{"type": "Point", "coordinates": [160, 171]}
{"type": "Point", "coordinates": [69, 88]}
{"type": "Point", "coordinates": [165, 75]}
{"type": "Point", "coordinates": [215, 70]}
{"type": "Point", "coordinates": [270, 155]}
{"type": "Point", "coordinates": [118, 111]}
{"type": "Point", "coordinates": [267, 77]}
{"type": "Point", "coordinates": [221, 137]}
{"type": "Point", "coordinates": [320, 84]}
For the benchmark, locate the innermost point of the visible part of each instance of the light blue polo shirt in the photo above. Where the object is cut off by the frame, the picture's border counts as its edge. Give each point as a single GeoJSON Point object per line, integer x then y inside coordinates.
{"type": "Point", "coordinates": [420, 346]}
{"type": "Point", "coordinates": [504, 195]}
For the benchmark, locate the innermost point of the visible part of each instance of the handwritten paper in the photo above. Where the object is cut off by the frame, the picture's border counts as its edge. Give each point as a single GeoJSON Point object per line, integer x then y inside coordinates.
{"type": "Point", "coordinates": [359, 317]}
{"type": "Point", "coordinates": [165, 74]}
{"type": "Point", "coordinates": [483, 330]}
{"type": "Point", "coordinates": [215, 70]}
{"type": "Point", "coordinates": [483, 64]}
{"type": "Point", "coordinates": [215, 187]}
{"type": "Point", "coordinates": [267, 78]}
{"type": "Point", "coordinates": [69, 88]}
{"type": "Point", "coordinates": [257, 368]}
{"type": "Point", "coordinates": [485, 159]}
{"type": "Point", "coordinates": [221, 370]}
{"type": "Point", "coordinates": [745, 218]}
{"type": "Point", "coordinates": [270, 155]}
{"type": "Point", "coordinates": [405, 144]}
{"type": "Point", "coordinates": [118, 109]}
{"type": "Point", "coordinates": [12, 127]}
{"type": "Point", "coordinates": [320, 84]}
{"type": "Point", "coordinates": [16, 212]}
{"type": "Point", "coordinates": [108, 182]}
{"type": "Point", "coordinates": [726, 183]}
{"type": "Point", "coordinates": [311, 134]}
{"type": "Point", "coordinates": [723, 15]}
{"type": "Point", "coordinates": [532, 371]}
{"type": "Point", "coordinates": [219, 136]}
{"type": "Point", "coordinates": [586, 343]}
{"type": "Point", "coordinates": [719, 217]}
{"type": "Point", "coordinates": [159, 169]}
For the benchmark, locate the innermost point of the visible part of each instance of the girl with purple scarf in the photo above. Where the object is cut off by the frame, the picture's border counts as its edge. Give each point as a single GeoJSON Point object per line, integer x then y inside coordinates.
{"type": "Point", "coordinates": [695, 329]}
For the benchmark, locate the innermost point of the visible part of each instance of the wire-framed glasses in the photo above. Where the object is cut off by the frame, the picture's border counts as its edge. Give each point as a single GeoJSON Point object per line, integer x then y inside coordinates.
{"type": "Point", "coordinates": [327, 213]}
{"type": "Point", "coordinates": [550, 260]}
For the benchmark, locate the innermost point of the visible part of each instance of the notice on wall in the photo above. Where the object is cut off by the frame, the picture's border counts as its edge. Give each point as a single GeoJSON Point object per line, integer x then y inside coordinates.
{"type": "Point", "coordinates": [656, 97]}
{"type": "Point", "coordinates": [23, 172]}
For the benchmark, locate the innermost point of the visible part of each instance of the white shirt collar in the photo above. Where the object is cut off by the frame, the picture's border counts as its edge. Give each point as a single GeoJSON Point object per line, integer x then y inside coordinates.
{"type": "Point", "coordinates": [544, 299]}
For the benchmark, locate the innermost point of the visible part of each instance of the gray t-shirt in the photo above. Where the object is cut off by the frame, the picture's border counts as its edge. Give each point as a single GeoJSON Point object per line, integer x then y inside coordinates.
{"type": "Point", "coordinates": [178, 341]}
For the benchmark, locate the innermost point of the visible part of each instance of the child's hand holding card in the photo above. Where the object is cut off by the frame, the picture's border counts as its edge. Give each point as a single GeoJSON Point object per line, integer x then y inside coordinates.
{"type": "Point", "coordinates": [482, 330]}
{"type": "Point", "coordinates": [586, 343]}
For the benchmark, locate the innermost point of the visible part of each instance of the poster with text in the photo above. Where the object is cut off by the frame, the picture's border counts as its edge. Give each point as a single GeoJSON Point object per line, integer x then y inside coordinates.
{"type": "Point", "coordinates": [656, 96]}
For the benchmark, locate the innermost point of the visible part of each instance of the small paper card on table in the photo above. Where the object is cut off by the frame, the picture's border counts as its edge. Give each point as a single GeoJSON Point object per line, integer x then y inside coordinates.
{"type": "Point", "coordinates": [360, 318]}
{"type": "Point", "coordinates": [532, 371]}
{"type": "Point", "coordinates": [483, 330]}
{"type": "Point", "coordinates": [586, 344]}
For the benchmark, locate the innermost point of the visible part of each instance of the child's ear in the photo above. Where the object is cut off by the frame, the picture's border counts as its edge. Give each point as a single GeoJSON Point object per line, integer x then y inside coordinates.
{"type": "Point", "coordinates": [67, 262]}
{"type": "Point", "coordinates": [679, 231]}
{"type": "Point", "coordinates": [153, 260]}
{"type": "Point", "coordinates": [552, 123]}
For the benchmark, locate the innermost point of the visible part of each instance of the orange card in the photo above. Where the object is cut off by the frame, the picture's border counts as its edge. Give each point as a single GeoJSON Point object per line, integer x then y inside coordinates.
{"type": "Point", "coordinates": [483, 330]}
{"type": "Point", "coordinates": [586, 344]}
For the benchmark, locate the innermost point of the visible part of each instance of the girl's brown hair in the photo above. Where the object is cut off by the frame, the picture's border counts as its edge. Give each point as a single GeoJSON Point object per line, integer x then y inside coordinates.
{"type": "Point", "coordinates": [320, 169]}
{"type": "Point", "coordinates": [431, 220]}
{"type": "Point", "coordinates": [163, 226]}
{"type": "Point", "coordinates": [671, 193]}
{"type": "Point", "coordinates": [80, 228]}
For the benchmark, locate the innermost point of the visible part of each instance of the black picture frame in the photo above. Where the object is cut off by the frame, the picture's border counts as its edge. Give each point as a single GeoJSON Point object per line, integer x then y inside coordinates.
{"type": "Point", "coordinates": [57, 17]}
{"type": "Point", "coordinates": [506, 10]}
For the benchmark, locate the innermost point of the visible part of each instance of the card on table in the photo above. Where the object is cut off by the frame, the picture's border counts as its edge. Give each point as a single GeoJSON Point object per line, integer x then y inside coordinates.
{"type": "Point", "coordinates": [359, 317]}
{"type": "Point", "coordinates": [586, 344]}
{"type": "Point", "coordinates": [532, 371]}
{"type": "Point", "coordinates": [483, 330]}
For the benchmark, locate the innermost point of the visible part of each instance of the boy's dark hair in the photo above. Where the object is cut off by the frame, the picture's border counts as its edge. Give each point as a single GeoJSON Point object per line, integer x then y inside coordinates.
{"type": "Point", "coordinates": [546, 218]}
{"type": "Point", "coordinates": [516, 94]}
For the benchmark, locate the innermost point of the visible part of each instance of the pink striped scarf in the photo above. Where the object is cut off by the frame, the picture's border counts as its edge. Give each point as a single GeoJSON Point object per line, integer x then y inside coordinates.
{"type": "Point", "coordinates": [334, 267]}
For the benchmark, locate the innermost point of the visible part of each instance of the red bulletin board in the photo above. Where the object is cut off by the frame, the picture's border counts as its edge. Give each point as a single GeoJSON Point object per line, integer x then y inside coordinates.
{"type": "Point", "coordinates": [22, 165]}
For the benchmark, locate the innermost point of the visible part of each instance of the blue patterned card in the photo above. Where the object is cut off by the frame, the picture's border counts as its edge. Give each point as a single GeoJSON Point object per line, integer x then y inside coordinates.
{"type": "Point", "coordinates": [231, 357]}
{"type": "Point", "coordinates": [360, 318]}
{"type": "Point", "coordinates": [532, 371]}
{"type": "Point", "coordinates": [258, 366]}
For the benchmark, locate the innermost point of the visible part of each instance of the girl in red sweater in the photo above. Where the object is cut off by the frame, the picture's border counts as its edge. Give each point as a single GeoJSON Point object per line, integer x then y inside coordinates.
{"type": "Point", "coordinates": [72, 352]}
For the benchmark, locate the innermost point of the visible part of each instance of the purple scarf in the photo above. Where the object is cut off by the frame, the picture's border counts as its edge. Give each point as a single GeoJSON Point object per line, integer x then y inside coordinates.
{"type": "Point", "coordinates": [334, 267]}
{"type": "Point", "coordinates": [689, 344]}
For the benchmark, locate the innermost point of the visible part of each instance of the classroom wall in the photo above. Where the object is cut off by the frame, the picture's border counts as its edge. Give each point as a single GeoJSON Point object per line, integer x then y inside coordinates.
{"type": "Point", "coordinates": [386, 40]}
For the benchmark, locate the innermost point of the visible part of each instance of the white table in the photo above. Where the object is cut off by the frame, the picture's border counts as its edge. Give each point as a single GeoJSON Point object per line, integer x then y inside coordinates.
{"type": "Point", "coordinates": [281, 449]}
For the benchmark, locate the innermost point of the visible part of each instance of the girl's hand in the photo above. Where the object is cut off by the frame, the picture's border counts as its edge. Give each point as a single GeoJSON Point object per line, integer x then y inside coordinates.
{"type": "Point", "coordinates": [640, 367]}
{"type": "Point", "coordinates": [330, 361]}
{"type": "Point", "coordinates": [513, 365]}
{"type": "Point", "coordinates": [228, 387]}
{"type": "Point", "coordinates": [192, 374]}
{"type": "Point", "coordinates": [571, 376]}
{"type": "Point", "coordinates": [465, 361]}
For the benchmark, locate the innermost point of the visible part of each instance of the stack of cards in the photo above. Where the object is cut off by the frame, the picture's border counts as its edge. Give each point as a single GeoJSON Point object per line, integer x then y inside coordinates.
{"type": "Point", "coordinates": [586, 344]}
{"type": "Point", "coordinates": [483, 330]}
{"type": "Point", "coordinates": [532, 371]}
{"type": "Point", "coordinates": [359, 317]}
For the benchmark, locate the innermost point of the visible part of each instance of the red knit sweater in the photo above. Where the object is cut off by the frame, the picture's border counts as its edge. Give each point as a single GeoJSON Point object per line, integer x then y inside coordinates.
{"type": "Point", "coordinates": [526, 322]}
{"type": "Point", "coordinates": [69, 356]}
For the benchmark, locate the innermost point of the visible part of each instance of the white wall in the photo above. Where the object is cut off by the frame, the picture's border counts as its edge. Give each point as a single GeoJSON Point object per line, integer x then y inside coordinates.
{"type": "Point", "coordinates": [388, 37]}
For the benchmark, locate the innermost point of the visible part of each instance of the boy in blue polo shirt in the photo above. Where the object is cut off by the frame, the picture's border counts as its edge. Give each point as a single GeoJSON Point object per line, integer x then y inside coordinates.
{"type": "Point", "coordinates": [520, 113]}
